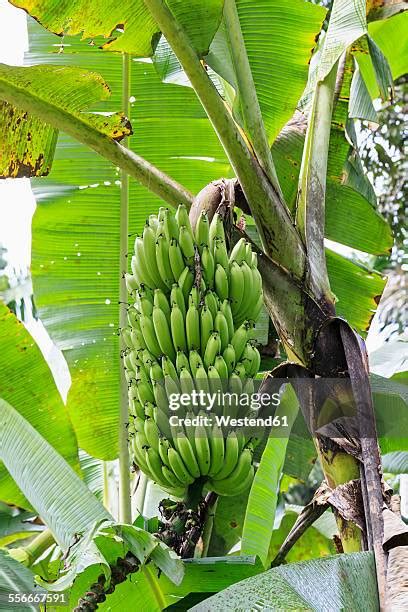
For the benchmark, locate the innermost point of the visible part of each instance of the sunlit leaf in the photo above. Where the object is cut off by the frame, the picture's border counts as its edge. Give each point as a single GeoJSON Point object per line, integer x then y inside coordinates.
{"type": "Point", "coordinates": [28, 144]}
{"type": "Point", "coordinates": [128, 25]}
{"type": "Point", "coordinates": [279, 37]}
{"type": "Point", "coordinates": [42, 476]}
{"type": "Point", "coordinates": [349, 584]}
{"type": "Point", "coordinates": [262, 500]}
{"type": "Point", "coordinates": [26, 382]}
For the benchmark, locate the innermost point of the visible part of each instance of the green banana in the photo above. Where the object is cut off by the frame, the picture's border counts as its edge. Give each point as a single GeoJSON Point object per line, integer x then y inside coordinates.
{"type": "Point", "coordinates": [127, 362]}
{"type": "Point", "coordinates": [144, 392]}
{"type": "Point", "coordinates": [141, 265]}
{"type": "Point", "coordinates": [151, 431]}
{"type": "Point", "coordinates": [160, 301]}
{"type": "Point", "coordinates": [201, 380]}
{"type": "Point", "coordinates": [176, 259]}
{"type": "Point", "coordinates": [227, 489]}
{"type": "Point", "coordinates": [148, 359]}
{"type": "Point", "coordinates": [230, 457]}
{"type": "Point", "coordinates": [239, 473]}
{"type": "Point", "coordinates": [256, 363]}
{"type": "Point", "coordinates": [193, 328]}
{"type": "Point", "coordinates": [186, 381]}
{"type": "Point", "coordinates": [214, 379]}
{"type": "Point", "coordinates": [186, 243]}
{"type": "Point", "coordinates": [179, 469]}
{"type": "Point", "coordinates": [239, 340]}
{"type": "Point", "coordinates": [186, 282]}
{"type": "Point", "coordinates": [177, 297]}
{"type": "Point", "coordinates": [217, 450]}
{"type": "Point", "coordinates": [248, 254]}
{"type": "Point", "coordinates": [195, 362]}
{"type": "Point", "coordinates": [172, 387]}
{"type": "Point", "coordinates": [135, 271]}
{"type": "Point", "coordinates": [154, 464]}
{"type": "Point", "coordinates": [202, 447]}
{"type": "Point", "coordinates": [216, 230]}
{"type": "Point", "coordinates": [132, 316]}
{"type": "Point", "coordinates": [171, 229]}
{"type": "Point", "coordinates": [221, 283]}
{"type": "Point", "coordinates": [211, 301]}
{"type": "Point", "coordinates": [149, 250]}
{"type": "Point", "coordinates": [206, 327]}
{"type": "Point", "coordinates": [160, 214]}
{"type": "Point", "coordinates": [182, 362]}
{"type": "Point", "coordinates": [229, 358]}
{"type": "Point", "coordinates": [187, 454]}
{"type": "Point", "coordinates": [126, 333]}
{"type": "Point", "coordinates": [164, 446]}
{"type": "Point", "coordinates": [153, 222]}
{"type": "Point", "coordinates": [212, 349]}
{"type": "Point", "coordinates": [137, 340]}
{"type": "Point", "coordinates": [136, 407]}
{"type": "Point", "coordinates": [238, 252]}
{"type": "Point", "coordinates": [208, 267]}
{"type": "Point", "coordinates": [222, 368]}
{"type": "Point", "coordinates": [221, 326]}
{"type": "Point", "coordinates": [143, 305]}
{"type": "Point", "coordinates": [227, 312]}
{"type": "Point", "coordinates": [163, 261]}
{"type": "Point", "coordinates": [202, 232]}
{"type": "Point", "coordinates": [163, 334]}
{"type": "Point", "coordinates": [172, 479]}
{"type": "Point", "coordinates": [236, 288]}
{"type": "Point", "coordinates": [139, 446]}
{"type": "Point", "coordinates": [221, 254]}
{"type": "Point", "coordinates": [183, 219]}
{"type": "Point", "coordinates": [162, 421]}
{"type": "Point", "coordinates": [131, 283]}
{"type": "Point", "coordinates": [178, 331]}
{"type": "Point", "coordinates": [169, 368]}
{"type": "Point", "coordinates": [194, 297]}
{"type": "Point", "coordinates": [138, 424]}
{"type": "Point", "coordinates": [149, 335]}
{"type": "Point", "coordinates": [160, 396]}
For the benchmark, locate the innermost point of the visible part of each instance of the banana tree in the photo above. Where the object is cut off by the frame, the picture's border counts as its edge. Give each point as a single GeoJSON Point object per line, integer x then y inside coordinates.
{"type": "Point", "coordinates": [217, 97]}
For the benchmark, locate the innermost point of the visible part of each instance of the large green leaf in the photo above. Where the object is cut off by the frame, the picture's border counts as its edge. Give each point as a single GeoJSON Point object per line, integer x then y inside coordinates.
{"type": "Point", "coordinates": [311, 545]}
{"type": "Point", "coordinates": [96, 553]}
{"type": "Point", "coordinates": [391, 37]}
{"type": "Point", "coordinates": [341, 582]}
{"type": "Point", "coordinates": [15, 579]}
{"type": "Point", "coordinates": [357, 289]}
{"type": "Point", "coordinates": [391, 411]}
{"type": "Point", "coordinates": [262, 500]}
{"type": "Point", "coordinates": [28, 144]}
{"type": "Point", "coordinates": [395, 462]}
{"type": "Point", "coordinates": [228, 522]}
{"type": "Point", "coordinates": [75, 230]}
{"type": "Point", "coordinates": [350, 217]}
{"type": "Point", "coordinates": [205, 576]}
{"type": "Point", "coordinates": [16, 524]}
{"type": "Point", "coordinates": [279, 38]}
{"type": "Point", "coordinates": [26, 382]}
{"type": "Point", "coordinates": [128, 24]}
{"type": "Point", "coordinates": [347, 24]}
{"type": "Point", "coordinates": [51, 486]}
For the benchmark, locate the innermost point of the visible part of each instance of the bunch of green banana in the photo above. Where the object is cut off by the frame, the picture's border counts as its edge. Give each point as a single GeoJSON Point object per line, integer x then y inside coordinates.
{"type": "Point", "coordinates": [191, 322]}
